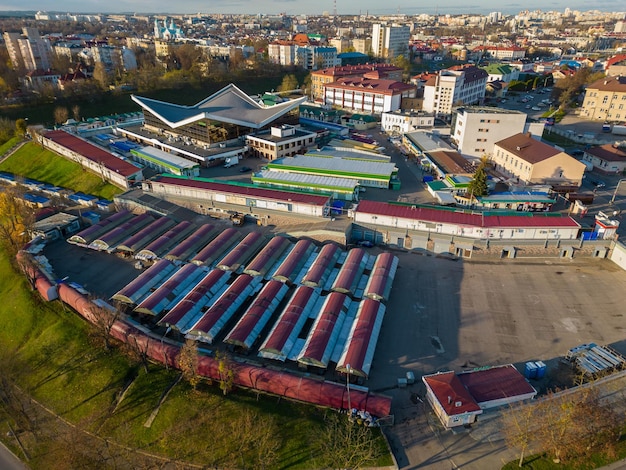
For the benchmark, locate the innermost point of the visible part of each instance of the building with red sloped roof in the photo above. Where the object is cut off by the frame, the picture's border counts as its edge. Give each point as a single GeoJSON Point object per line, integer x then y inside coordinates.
{"type": "Point", "coordinates": [319, 78]}
{"type": "Point", "coordinates": [608, 158]}
{"type": "Point", "coordinates": [497, 386]}
{"type": "Point", "coordinates": [451, 402]}
{"type": "Point", "coordinates": [449, 229]}
{"type": "Point", "coordinates": [364, 95]}
{"type": "Point", "coordinates": [106, 165]}
{"type": "Point", "coordinates": [458, 399]}
{"type": "Point", "coordinates": [535, 162]}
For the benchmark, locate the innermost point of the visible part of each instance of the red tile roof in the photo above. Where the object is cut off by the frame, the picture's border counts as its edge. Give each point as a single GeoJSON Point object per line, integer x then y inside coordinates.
{"type": "Point", "coordinates": [495, 383]}
{"type": "Point", "coordinates": [451, 394]}
{"type": "Point", "coordinates": [385, 87]}
{"type": "Point", "coordinates": [462, 217]}
{"type": "Point", "coordinates": [93, 153]}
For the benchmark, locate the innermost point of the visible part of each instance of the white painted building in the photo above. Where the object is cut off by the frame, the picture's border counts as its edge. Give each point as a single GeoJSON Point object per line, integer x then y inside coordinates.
{"type": "Point", "coordinates": [367, 96]}
{"type": "Point", "coordinates": [454, 87]}
{"type": "Point", "coordinates": [477, 128]}
{"type": "Point", "coordinates": [402, 122]}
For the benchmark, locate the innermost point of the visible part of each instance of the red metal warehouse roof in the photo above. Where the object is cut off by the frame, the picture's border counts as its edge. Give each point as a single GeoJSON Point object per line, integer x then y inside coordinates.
{"type": "Point", "coordinates": [92, 152]}
{"type": "Point", "coordinates": [282, 196]}
{"type": "Point", "coordinates": [495, 383]}
{"type": "Point", "coordinates": [462, 217]}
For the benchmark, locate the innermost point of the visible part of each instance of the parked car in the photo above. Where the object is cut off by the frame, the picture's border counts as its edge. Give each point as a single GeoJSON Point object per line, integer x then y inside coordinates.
{"type": "Point", "coordinates": [244, 169]}
{"type": "Point", "coordinates": [536, 108]}
{"type": "Point", "coordinates": [598, 183]}
{"type": "Point", "coordinates": [365, 243]}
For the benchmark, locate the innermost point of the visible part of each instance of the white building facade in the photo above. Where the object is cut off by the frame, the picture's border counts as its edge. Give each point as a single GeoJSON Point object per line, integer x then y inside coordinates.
{"type": "Point", "coordinates": [390, 41]}
{"type": "Point", "coordinates": [476, 129]}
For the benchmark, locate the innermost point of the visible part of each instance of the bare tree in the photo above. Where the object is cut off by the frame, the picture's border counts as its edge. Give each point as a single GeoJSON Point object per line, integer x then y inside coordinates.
{"type": "Point", "coordinates": [343, 443]}
{"type": "Point", "coordinates": [188, 363]}
{"type": "Point", "coordinates": [520, 427]}
{"type": "Point", "coordinates": [61, 114]}
{"type": "Point", "coordinates": [103, 318]}
{"type": "Point", "coordinates": [76, 112]}
{"type": "Point", "coordinates": [137, 350]}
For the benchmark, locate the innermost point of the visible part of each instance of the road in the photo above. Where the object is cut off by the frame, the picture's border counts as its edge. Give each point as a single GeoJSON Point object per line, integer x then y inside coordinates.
{"type": "Point", "coordinates": [8, 460]}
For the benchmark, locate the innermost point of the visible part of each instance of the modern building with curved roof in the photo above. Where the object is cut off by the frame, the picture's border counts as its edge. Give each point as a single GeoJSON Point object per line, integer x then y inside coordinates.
{"type": "Point", "coordinates": [225, 115]}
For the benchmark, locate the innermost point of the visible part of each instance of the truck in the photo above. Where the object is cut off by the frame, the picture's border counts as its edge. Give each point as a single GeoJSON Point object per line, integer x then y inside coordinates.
{"type": "Point", "coordinates": [231, 161]}
{"type": "Point", "coordinates": [619, 129]}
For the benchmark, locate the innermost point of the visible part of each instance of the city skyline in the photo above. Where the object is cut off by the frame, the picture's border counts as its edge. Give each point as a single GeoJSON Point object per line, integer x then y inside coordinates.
{"type": "Point", "coordinates": [295, 7]}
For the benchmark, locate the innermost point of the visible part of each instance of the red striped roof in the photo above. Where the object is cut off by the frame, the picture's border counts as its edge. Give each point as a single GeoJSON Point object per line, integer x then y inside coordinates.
{"type": "Point", "coordinates": [93, 153]}
{"type": "Point", "coordinates": [282, 196]}
{"type": "Point", "coordinates": [463, 218]}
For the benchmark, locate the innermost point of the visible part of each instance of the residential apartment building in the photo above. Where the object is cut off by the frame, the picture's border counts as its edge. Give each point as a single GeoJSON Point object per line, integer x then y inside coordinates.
{"type": "Point", "coordinates": [113, 57]}
{"type": "Point", "coordinates": [362, 45]}
{"type": "Point", "coordinates": [605, 100]}
{"type": "Point", "coordinates": [317, 57]}
{"type": "Point", "coordinates": [363, 95]}
{"type": "Point", "coordinates": [390, 41]}
{"type": "Point", "coordinates": [533, 162]}
{"type": "Point", "coordinates": [322, 77]}
{"type": "Point", "coordinates": [475, 129]}
{"type": "Point", "coordinates": [453, 87]}
{"type": "Point", "coordinates": [284, 141]}
{"type": "Point", "coordinates": [29, 50]}
{"type": "Point", "coordinates": [282, 53]}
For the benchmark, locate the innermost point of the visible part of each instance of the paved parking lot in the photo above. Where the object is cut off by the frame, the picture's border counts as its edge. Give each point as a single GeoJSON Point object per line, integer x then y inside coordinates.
{"type": "Point", "coordinates": [455, 315]}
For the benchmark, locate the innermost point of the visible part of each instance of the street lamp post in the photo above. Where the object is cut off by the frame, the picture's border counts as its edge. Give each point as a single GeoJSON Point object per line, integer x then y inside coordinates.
{"type": "Point", "coordinates": [615, 192]}
{"type": "Point", "coordinates": [348, 388]}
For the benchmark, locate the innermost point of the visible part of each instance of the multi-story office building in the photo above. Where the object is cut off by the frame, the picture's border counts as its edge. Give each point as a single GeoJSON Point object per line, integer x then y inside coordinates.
{"type": "Point", "coordinates": [390, 41]}
{"type": "Point", "coordinates": [476, 129]}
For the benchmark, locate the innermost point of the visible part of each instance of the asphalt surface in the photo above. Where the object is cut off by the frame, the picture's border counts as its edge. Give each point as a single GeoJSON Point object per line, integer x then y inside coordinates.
{"type": "Point", "coordinates": [457, 315]}
{"type": "Point", "coordinates": [8, 460]}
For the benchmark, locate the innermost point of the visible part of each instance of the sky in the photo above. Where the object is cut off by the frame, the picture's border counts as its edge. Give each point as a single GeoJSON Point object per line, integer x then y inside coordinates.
{"type": "Point", "coordinates": [295, 7]}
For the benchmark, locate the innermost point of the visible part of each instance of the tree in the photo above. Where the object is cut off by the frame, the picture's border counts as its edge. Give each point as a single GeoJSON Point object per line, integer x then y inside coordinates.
{"type": "Point", "coordinates": [21, 125]}
{"type": "Point", "coordinates": [566, 425]}
{"type": "Point", "coordinates": [225, 369]}
{"type": "Point", "coordinates": [345, 444]}
{"type": "Point", "coordinates": [16, 219]}
{"type": "Point", "coordinates": [519, 427]}
{"type": "Point", "coordinates": [478, 185]}
{"type": "Point", "coordinates": [76, 112]}
{"type": "Point", "coordinates": [188, 363]}
{"type": "Point", "coordinates": [101, 75]}
{"type": "Point", "coordinates": [61, 114]}
{"type": "Point", "coordinates": [103, 317]}
{"type": "Point", "coordinates": [290, 82]}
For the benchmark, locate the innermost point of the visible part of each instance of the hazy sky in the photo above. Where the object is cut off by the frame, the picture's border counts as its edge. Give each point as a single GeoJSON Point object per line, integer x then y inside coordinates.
{"type": "Point", "coordinates": [294, 7]}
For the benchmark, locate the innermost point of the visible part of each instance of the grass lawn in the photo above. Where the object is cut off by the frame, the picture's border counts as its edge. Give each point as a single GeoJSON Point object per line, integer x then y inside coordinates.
{"type": "Point", "coordinates": [33, 161]}
{"type": "Point", "coordinates": [8, 145]}
{"type": "Point", "coordinates": [62, 367]}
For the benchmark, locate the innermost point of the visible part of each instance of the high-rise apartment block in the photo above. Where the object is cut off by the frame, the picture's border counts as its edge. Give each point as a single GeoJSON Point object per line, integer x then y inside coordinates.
{"type": "Point", "coordinates": [29, 50]}
{"type": "Point", "coordinates": [390, 41]}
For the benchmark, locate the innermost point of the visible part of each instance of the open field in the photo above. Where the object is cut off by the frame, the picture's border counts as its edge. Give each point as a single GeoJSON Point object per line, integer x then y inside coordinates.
{"type": "Point", "coordinates": [33, 161]}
